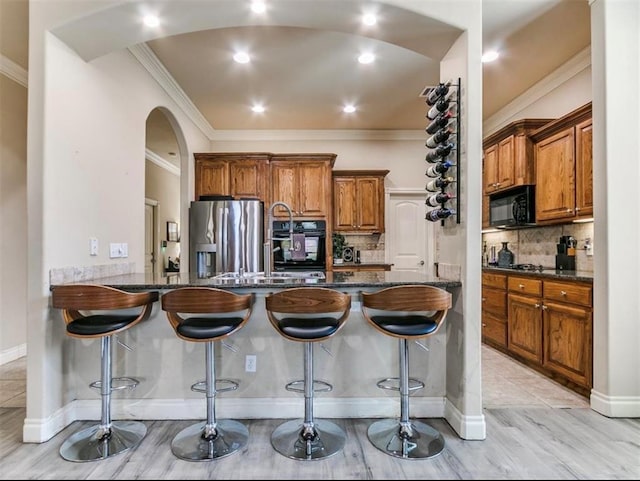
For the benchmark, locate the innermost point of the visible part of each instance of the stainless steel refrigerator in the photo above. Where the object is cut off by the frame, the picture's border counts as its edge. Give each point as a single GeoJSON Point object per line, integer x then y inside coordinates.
{"type": "Point", "coordinates": [225, 236]}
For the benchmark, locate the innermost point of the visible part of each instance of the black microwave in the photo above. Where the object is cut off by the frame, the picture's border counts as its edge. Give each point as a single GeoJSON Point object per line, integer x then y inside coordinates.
{"type": "Point", "coordinates": [516, 207]}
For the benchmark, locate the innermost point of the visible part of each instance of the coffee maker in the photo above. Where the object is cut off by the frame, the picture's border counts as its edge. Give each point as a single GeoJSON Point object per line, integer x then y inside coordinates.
{"type": "Point", "coordinates": [566, 256]}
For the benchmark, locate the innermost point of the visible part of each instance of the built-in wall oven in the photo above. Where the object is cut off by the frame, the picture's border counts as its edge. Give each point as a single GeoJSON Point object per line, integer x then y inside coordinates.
{"type": "Point", "coordinates": [312, 234]}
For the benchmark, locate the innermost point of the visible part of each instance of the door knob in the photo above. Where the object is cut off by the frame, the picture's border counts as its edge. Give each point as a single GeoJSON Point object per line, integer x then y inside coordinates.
{"type": "Point", "coordinates": [421, 263]}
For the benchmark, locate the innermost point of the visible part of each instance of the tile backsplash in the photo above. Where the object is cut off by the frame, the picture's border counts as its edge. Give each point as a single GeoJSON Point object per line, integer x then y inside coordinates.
{"type": "Point", "coordinates": [537, 245]}
{"type": "Point", "coordinates": [371, 246]}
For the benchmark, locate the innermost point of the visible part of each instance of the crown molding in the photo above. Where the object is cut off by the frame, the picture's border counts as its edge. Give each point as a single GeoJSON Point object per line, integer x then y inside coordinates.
{"type": "Point", "coordinates": [161, 162]}
{"type": "Point", "coordinates": [152, 64]}
{"type": "Point", "coordinates": [14, 71]}
{"type": "Point", "coordinates": [344, 134]}
{"type": "Point", "coordinates": [552, 81]}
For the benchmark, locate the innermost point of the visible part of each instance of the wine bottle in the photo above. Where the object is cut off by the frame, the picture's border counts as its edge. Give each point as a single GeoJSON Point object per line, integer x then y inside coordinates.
{"type": "Point", "coordinates": [436, 185]}
{"type": "Point", "coordinates": [436, 170]}
{"type": "Point", "coordinates": [439, 91]}
{"type": "Point", "coordinates": [440, 198]}
{"type": "Point", "coordinates": [439, 122]}
{"type": "Point", "coordinates": [439, 153]}
{"type": "Point", "coordinates": [440, 106]}
{"type": "Point", "coordinates": [439, 137]}
{"type": "Point", "coordinates": [439, 214]}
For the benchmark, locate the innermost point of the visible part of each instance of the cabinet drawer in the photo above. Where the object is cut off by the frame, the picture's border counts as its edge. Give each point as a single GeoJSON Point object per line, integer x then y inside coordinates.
{"type": "Point", "coordinates": [522, 285]}
{"type": "Point", "coordinates": [568, 292]}
{"type": "Point", "coordinates": [494, 301]}
{"type": "Point", "coordinates": [494, 329]}
{"type": "Point", "coordinates": [498, 281]}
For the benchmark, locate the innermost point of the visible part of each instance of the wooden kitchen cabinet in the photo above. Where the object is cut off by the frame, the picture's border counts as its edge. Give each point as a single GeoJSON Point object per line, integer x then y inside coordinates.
{"type": "Point", "coordinates": [242, 175]}
{"type": "Point", "coordinates": [494, 309]}
{"type": "Point", "coordinates": [524, 324]}
{"type": "Point", "coordinates": [564, 168]}
{"type": "Point", "coordinates": [358, 200]}
{"type": "Point", "coordinates": [549, 326]}
{"type": "Point", "coordinates": [508, 156]}
{"type": "Point", "coordinates": [568, 330]}
{"type": "Point", "coordinates": [303, 181]}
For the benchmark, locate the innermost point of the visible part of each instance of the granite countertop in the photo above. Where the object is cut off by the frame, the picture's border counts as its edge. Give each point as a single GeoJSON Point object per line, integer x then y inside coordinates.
{"type": "Point", "coordinates": [583, 276]}
{"type": "Point", "coordinates": [333, 279]}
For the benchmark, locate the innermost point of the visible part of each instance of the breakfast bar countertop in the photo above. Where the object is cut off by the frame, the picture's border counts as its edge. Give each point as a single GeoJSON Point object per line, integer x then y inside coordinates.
{"type": "Point", "coordinates": [349, 279]}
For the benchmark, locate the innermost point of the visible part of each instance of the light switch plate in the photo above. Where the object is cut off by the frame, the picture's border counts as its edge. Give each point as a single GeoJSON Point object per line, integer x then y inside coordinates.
{"type": "Point", "coordinates": [124, 249]}
{"type": "Point", "coordinates": [114, 250]}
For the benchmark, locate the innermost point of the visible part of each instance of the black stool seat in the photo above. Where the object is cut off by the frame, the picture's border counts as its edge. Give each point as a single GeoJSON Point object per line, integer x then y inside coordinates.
{"type": "Point", "coordinates": [109, 437]}
{"type": "Point", "coordinates": [308, 315]}
{"type": "Point", "coordinates": [203, 314]}
{"type": "Point", "coordinates": [406, 312]}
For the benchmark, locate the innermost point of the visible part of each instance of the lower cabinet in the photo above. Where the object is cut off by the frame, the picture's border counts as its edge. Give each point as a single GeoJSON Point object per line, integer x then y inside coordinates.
{"type": "Point", "coordinates": [494, 309]}
{"type": "Point", "coordinates": [548, 325]}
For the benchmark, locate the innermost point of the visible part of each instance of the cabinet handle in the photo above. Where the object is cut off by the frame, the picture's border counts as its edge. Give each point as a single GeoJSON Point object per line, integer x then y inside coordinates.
{"type": "Point", "coordinates": [484, 325]}
{"type": "Point", "coordinates": [544, 308]}
{"type": "Point", "coordinates": [577, 209]}
{"type": "Point", "coordinates": [563, 293]}
{"type": "Point", "coordinates": [484, 299]}
{"type": "Point", "coordinates": [536, 305]}
{"type": "Point", "coordinates": [569, 211]}
{"type": "Point", "coordinates": [521, 286]}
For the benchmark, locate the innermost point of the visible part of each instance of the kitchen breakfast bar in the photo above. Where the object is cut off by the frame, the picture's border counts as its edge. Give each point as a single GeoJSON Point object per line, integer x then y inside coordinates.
{"type": "Point", "coordinates": [353, 360]}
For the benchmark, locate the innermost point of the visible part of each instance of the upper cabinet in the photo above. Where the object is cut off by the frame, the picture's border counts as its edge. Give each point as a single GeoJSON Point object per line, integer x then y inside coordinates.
{"type": "Point", "coordinates": [508, 156]}
{"type": "Point", "coordinates": [564, 168]}
{"type": "Point", "coordinates": [358, 200]}
{"type": "Point", "coordinates": [303, 181]}
{"type": "Point", "coordinates": [240, 175]}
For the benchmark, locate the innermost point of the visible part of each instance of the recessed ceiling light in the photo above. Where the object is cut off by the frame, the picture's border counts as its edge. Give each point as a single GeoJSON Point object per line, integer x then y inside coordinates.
{"type": "Point", "coordinates": [349, 109]}
{"type": "Point", "coordinates": [258, 108]}
{"type": "Point", "coordinates": [151, 21]}
{"type": "Point", "coordinates": [369, 19]}
{"type": "Point", "coordinates": [242, 57]}
{"type": "Point", "coordinates": [366, 58]}
{"type": "Point", "coordinates": [258, 7]}
{"type": "Point", "coordinates": [490, 56]}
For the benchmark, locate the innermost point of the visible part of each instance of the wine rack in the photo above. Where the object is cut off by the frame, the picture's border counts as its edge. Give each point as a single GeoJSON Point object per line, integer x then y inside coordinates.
{"type": "Point", "coordinates": [443, 157]}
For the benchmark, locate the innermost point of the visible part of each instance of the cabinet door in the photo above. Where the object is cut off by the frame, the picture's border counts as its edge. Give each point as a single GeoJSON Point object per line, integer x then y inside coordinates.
{"type": "Point", "coordinates": [212, 178]}
{"type": "Point", "coordinates": [490, 169]}
{"type": "Point", "coordinates": [524, 327]}
{"type": "Point", "coordinates": [555, 177]}
{"type": "Point", "coordinates": [344, 201]}
{"type": "Point", "coordinates": [248, 178]}
{"type": "Point", "coordinates": [284, 178]}
{"type": "Point", "coordinates": [567, 341]}
{"type": "Point", "coordinates": [506, 163]}
{"type": "Point", "coordinates": [584, 169]}
{"type": "Point", "coordinates": [494, 330]}
{"type": "Point", "coordinates": [369, 200]}
{"type": "Point", "coordinates": [312, 189]}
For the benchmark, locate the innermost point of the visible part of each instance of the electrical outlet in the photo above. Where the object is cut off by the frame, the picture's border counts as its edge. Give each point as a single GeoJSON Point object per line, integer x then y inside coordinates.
{"type": "Point", "coordinates": [250, 363]}
{"type": "Point", "coordinates": [93, 246]}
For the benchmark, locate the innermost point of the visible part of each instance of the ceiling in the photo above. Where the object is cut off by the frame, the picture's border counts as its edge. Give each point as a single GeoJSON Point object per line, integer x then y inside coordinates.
{"type": "Point", "coordinates": [304, 75]}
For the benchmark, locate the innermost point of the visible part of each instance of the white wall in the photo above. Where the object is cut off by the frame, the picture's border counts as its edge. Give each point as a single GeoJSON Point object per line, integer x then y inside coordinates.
{"type": "Point", "coordinates": [13, 219]}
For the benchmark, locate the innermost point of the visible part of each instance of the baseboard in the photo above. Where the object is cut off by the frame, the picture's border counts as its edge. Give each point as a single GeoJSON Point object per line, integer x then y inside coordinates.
{"type": "Point", "coordinates": [13, 353]}
{"type": "Point", "coordinates": [467, 427]}
{"type": "Point", "coordinates": [615, 406]}
{"type": "Point", "coordinates": [41, 430]}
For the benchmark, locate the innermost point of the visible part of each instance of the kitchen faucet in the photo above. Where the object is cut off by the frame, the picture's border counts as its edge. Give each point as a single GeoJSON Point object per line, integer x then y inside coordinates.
{"type": "Point", "coordinates": [268, 246]}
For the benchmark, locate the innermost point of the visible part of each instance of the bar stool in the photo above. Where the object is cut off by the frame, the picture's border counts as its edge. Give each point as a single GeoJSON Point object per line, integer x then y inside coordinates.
{"type": "Point", "coordinates": [308, 315]}
{"type": "Point", "coordinates": [109, 437]}
{"type": "Point", "coordinates": [210, 315]}
{"type": "Point", "coordinates": [405, 312]}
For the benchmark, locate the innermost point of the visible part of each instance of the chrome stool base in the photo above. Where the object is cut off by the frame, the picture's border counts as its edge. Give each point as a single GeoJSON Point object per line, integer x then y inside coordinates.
{"type": "Point", "coordinates": [422, 441]}
{"type": "Point", "coordinates": [190, 444]}
{"type": "Point", "coordinates": [94, 443]}
{"type": "Point", "coordinates": [289, 441]}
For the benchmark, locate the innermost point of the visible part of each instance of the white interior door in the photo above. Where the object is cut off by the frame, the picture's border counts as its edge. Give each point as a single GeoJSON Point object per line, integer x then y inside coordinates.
{"type": "Point", "coordinates": [409, 237]}
{"type": "Point", "coordinates": [150, 220]}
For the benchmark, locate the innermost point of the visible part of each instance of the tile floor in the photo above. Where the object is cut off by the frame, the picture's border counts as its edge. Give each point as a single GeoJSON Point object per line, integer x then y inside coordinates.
{"type": "Point", "coordinates": [505, 383]}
